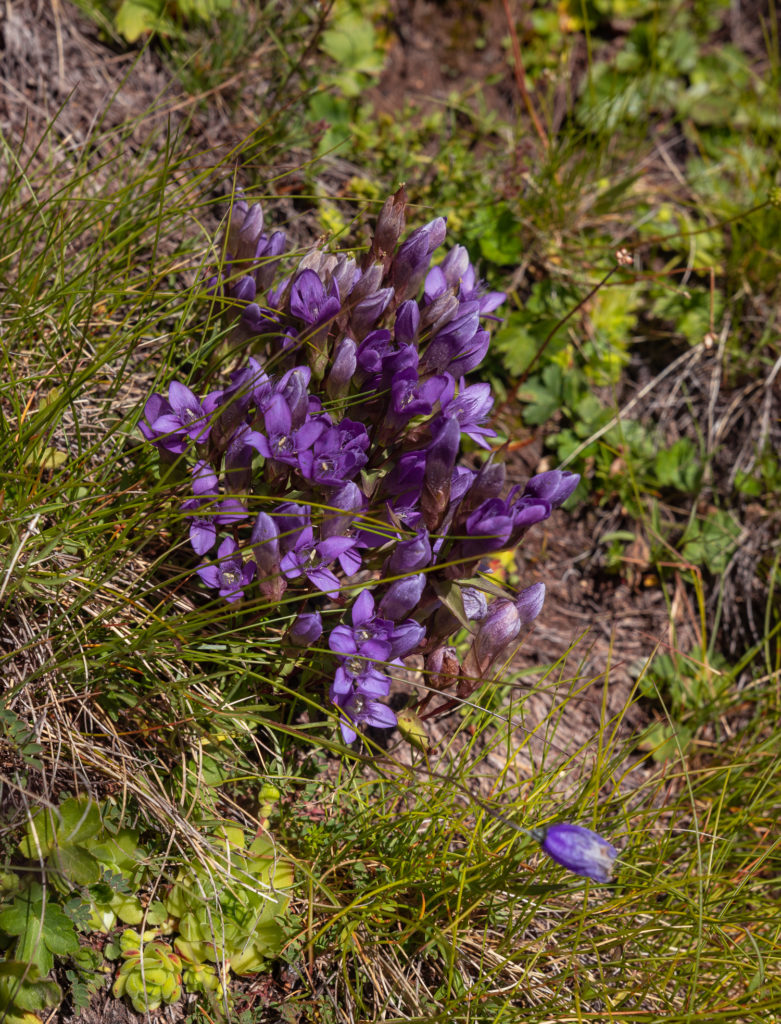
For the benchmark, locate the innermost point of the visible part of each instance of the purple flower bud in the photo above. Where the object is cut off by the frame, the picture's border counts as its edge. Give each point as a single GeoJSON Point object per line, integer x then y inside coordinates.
{"type": "Point", "coordinates": [368, 283]}
{"type": "Point", "coordinates": [497, 631]}
{"type": "Point", "coordinates": [407, 322]}
{"type": "Point", "coordinates": [249, 233]}
{"type": "Point", "coordinates": [405, 638]}
{"type": "Point", "coordinates": [307, 629]}
{"type": "Point", "coordinates": [409, 555]}
{"type": "Point", "coordinates": [265, 543]}
{"type": "Point", "coordinates": [349, 500]}
{"type": "Point", "coordinates": [343, 275]}
{"type": "Point", "coordinates": [475, 603]}
{"type": "Point", "coordinates": [294, 388]}
{"type": "Point", "coordinates": [578, 849]}
{"type": "Point", "coordinates": [342, 369]}
{"type": "Point", "coordinates": [267, 252]}
{"type": "Point", "coordinates": [473, 355]}
{"type": "Point", "coordinates": [440, 460]}
{"type": "Point", "coordinates": [368, 311]}
{"type": "Point", "coordinates": [402, 597]}
{"type": "Point", "coordinates": [243, 290]}
{"type": "Point", "coordinates": [230, 575]}
{"type": "Point", "coordinates": [529, 602]}
{"type": "Point", "coordinates": [413, 257]}
{"type": "Point", "coordinates": [555, 486]}
{"type": "Point", "coordinates": [455, 265]}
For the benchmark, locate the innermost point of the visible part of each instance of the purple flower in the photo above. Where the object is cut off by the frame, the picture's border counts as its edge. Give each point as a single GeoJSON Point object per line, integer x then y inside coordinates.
{"type": "Point", "coordinates": [356, 708]}
{"type": "Point", "coordinates": [470, 408]}
{"type": "Point", "coordinates": [306, 629]}
{"type": "Point", "coordinates": [283, 444]}
{"type": "Point", "coordinates": [529, 602]}
{"type": "Point", "coordinates": [231, 574]}
{"type": "Point", "coordinates": [411, 397]}
{"type": "Point", "coordinates": [555, 486]}
{"type": "Point", "coordinates": [497, 631]}
{"type": "Point", "coordinates": [337, 454]}
{"type": "Point", "coordinates": [471, 290]}
{"type": "Point", "coordinates": [372, 636]}
{"type": "Point", "coordinates": [171, 424]}
{"type": "Point", "coordinates": [409, 555]}
{"type": "Point", "coordinates": [306, 558]}
{"type": "Point", "coordinates": [402, 597]}
{"type": "Point", "coordinates": [578, 849]}
{"type": "Point", "coordinates": [309, 301]}
{"type": "Point", "coordinates": [265, 547]}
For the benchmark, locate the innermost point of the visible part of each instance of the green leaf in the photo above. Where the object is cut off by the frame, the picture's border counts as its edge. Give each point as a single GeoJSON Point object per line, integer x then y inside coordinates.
{"type": "Point", "coordinates": [43, 929]}
{"type": "Point", "coordinates": [76, 865]}
{"type": "Point", "coordinates": [136, 17]}
{"type": "Point", "coordinates": [80, 820]}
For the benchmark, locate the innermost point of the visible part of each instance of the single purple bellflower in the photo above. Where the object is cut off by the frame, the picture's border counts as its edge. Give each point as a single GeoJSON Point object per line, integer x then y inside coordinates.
{"type": "Point", "coordinates": [231, 574]}
{"type": "Point", "coordinates": [578, 849]}
{"type": "Point", "coordinates": [358, 709]}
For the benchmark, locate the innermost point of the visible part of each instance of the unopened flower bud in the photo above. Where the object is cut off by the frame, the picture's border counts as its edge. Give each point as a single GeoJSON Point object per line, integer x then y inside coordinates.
{"type": "Point", "coordinates": [409, 555]}
{"type": "Point", "coordinates": [366, 313]}
{"type": "Point", "coordinates": [243, 242]}
{"type": "Point", "coordinates": [407, 322]}
{"type": "Point", "coordinates": [529, 602]}
{"type": "Point", "coordinates": [555, 486]}
{"type": "Point", "coordinates": [440, 460]}
{"type": "Point", "coordinates": [342, 369]}
{"type": "Point", "coordinates": [402, 597]}
{"type": "Point", "coordinates": [307, 629]}
{"type": "Point", "coordinates": [475, 603]}
{"type": "Point", "coordinates": [578, 849]}
{"type": "Point", "coordinates": [497, 631]}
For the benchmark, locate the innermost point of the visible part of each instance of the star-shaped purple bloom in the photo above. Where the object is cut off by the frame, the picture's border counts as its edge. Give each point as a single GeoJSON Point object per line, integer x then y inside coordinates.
{"type": "Point", "coordinates": [231, 574]}
{"type": "Point", "coordinates": [187, 417]}
{"type": "Point", "coordinates": [309, 300]}
{"type": "Point", "coordinates": [357, 708]}
{"type": "Point", "coordinates": [282, 443]}
{"type": "Point", "coordinates": [470, 407]}
{"type": "Point", "coordinates": [337, 454]}
{"type": "Point", "coordinates": [306, 558]}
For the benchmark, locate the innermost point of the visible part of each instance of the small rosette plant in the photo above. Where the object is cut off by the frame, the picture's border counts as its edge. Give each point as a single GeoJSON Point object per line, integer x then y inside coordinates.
{"type": "Point", "coordinates": [328, 471]}
{"type": "Point", "coordinates": [227, 913]}
{"type": "Point", "coordinates": [151, 973]}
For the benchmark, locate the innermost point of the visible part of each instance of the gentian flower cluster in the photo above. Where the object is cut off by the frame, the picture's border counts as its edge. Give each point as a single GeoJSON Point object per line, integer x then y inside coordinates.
{"type": "Point", "coordinates": [328, 470]}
